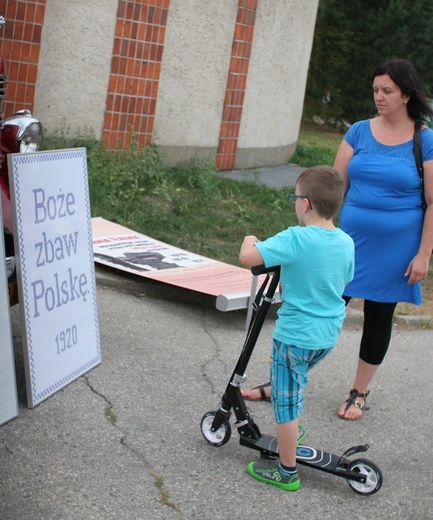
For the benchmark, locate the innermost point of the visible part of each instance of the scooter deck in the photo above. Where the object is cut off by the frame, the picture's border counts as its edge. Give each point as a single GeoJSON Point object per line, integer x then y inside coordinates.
{"type": "Point", "coordinates": [306, 455]}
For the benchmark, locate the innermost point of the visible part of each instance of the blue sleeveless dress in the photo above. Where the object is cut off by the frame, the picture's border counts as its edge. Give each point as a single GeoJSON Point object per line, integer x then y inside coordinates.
{"type": "Point", "coordinates": [382, 213]}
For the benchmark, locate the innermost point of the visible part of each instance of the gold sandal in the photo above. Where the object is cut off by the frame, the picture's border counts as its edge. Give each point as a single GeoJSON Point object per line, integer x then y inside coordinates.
{"type": "Point", "coordinates": [352, 401]}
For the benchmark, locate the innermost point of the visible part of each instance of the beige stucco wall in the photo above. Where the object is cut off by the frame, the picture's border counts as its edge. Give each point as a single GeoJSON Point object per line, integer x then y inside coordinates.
{"type": "Point", "coordinates": [193, 78]}
{"type": "Point", "coordinates": [277, 76]}
{"type": "Point", "coordinates": [74, 64]}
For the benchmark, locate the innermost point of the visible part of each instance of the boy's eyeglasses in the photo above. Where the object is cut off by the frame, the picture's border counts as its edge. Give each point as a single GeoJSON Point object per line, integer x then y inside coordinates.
{"type": "Point", "coordinates": [293, 198]}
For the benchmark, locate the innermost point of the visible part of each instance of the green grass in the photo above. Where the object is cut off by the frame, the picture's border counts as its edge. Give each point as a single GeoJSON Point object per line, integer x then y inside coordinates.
{"type": "Point", "coordinates": [317, 144]}
{"type": "Point", "coordinates": [192, 208]}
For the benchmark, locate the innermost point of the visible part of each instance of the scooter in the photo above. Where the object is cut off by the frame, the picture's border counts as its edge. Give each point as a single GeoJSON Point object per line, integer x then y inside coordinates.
{"type": "Point", "coordinates": [362, 475]}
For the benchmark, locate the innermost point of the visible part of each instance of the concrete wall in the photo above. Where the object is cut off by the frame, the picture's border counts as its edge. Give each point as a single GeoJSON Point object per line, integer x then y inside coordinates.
{"type": "Point", "coordinates": [194, 77]}
{"type": "Point", "coordinates": [74, 64]}
{"type": "Point", "coordinates": [86, 71]}
{"type": "Point", "coordinates": [277, 78]}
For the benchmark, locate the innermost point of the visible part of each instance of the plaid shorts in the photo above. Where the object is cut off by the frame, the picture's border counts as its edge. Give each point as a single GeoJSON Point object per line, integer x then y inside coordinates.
{"type": "Point", "coordinates": [289, 376]}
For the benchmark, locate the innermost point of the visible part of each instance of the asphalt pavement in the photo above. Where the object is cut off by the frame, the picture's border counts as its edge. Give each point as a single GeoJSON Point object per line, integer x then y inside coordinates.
{"type": "Point", "coordinates": [124, 441]}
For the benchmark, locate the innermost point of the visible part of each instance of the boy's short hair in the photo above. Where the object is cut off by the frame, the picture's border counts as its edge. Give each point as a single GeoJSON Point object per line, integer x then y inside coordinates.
{"type": "Point", "coordinates": [324, 186]}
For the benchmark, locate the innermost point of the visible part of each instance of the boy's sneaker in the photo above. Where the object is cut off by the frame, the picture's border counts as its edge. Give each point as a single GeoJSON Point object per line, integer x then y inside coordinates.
{"type": "Point", "coordinates": [302, 433]}
{"type": "Point", "coordinates": [269, 473]}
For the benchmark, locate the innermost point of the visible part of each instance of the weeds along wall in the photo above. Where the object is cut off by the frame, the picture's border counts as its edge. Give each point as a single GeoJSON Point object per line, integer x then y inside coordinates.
{"type": "Point", "coordinates": [201, 78]}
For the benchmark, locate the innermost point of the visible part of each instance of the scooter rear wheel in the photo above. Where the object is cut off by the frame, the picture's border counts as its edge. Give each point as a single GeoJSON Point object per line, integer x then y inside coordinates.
{"type": "Point", "coordinates": [371, 471]}
{"type": "Point", "coordinates": [219, 437]}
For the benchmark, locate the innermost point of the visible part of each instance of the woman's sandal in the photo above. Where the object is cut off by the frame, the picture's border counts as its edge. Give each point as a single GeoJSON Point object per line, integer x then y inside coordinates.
{"type": "Point", "coordinates": [261, 389]}
{"type": "Point", "coordinates": [352, 401]}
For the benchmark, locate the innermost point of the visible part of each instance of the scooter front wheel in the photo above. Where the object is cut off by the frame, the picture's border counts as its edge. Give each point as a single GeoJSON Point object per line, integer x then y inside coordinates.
{"type": "Point", "coordinates": [220, 436]}
{"type": "Point", "coordinates": [372, 473]}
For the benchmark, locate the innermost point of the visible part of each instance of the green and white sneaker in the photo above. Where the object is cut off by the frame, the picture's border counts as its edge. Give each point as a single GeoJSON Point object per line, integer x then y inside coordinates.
{"type": "Point", "coordinates": [269, 473]}
{"type": "Point", "coordinates": [302, 433]}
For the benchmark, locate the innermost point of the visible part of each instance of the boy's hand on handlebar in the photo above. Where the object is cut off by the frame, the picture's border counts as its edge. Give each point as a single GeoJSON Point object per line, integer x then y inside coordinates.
{"type": "Point", "coordinates": [249, 255]}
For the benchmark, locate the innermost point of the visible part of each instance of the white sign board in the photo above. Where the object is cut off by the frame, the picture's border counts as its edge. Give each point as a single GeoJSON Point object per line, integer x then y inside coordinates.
{"type": "Point", "coordinates": [55, 269]}
{"type": "Point", "coordinates": [8, 387]}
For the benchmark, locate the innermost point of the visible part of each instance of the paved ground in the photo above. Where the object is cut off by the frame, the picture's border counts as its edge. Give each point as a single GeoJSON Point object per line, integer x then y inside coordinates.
{"type": "Point", "coordinates": [124, 442]}
{"type": "Point", "coordinates": [274, 176]}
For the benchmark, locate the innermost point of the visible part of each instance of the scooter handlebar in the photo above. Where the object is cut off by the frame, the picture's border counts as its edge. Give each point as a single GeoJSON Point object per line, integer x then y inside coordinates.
{"type": "Point", "coordinates": [261, 269]}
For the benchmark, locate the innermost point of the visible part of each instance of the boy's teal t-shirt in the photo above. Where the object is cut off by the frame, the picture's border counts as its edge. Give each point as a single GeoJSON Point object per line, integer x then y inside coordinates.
{"type": "Point", "coordinates": [316, 265]}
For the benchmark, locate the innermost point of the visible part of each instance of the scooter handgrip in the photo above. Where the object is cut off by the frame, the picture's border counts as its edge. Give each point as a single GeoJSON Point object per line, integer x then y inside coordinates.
{"type": "Point", "coordinates": [261, 269]}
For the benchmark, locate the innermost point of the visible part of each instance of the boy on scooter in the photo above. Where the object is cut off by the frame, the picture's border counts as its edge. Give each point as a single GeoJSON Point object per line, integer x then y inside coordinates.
{"type": "Point", "coordinates": [317, 261]}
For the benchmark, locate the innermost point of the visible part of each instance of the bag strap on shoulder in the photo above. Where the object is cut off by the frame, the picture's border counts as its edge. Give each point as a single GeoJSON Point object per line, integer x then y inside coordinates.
{"type": "Point", "coordinates": [417, 152]}
{"type": "Point", "coordinates": [417, 148]}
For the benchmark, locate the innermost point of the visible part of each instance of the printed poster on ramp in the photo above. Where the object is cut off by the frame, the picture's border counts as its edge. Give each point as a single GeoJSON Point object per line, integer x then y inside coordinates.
{"type": "Point", "coordinates": [122, 248]}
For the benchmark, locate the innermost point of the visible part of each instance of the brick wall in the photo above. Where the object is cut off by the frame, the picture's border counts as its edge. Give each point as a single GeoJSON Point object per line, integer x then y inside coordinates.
{"type": "Point", "coordinates": [236, 84]}
{"type": "Point", "coordinates": [20, 44]}
{"type": "Point", "coordinates": [135, 70]}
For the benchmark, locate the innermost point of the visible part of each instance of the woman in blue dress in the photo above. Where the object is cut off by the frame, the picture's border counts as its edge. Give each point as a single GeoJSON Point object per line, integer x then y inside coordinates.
{"type": "Point", "coordinates": [383, 214]}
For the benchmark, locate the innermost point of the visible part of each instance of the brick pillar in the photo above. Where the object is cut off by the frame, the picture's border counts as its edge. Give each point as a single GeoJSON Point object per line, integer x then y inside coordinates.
{"type": "Point", "coordinates": [236, 85]}
{"type": "Point", "coordinates": [135, 72]}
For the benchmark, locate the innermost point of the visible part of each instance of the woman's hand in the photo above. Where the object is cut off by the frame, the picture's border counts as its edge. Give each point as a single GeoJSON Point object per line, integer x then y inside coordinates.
{"type": "Point", "coordinates": [417, 270]}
